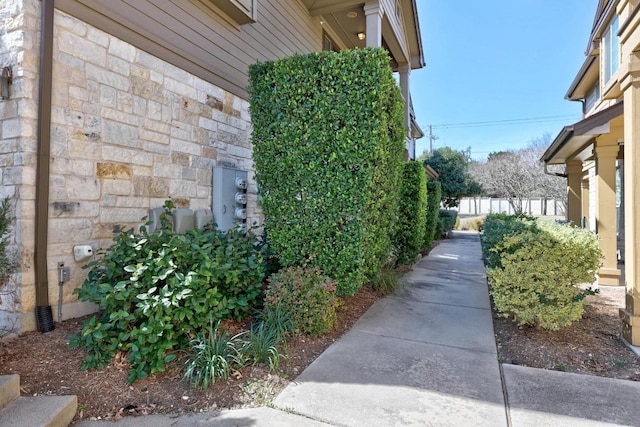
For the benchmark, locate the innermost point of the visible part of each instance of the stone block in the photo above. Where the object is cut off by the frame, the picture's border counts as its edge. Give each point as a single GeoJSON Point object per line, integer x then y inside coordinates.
{"type": "Point", "coordinates": [85, 148]}
{"type": "Point", "coordinates": [82, 48]}
{"type": "Point", "coordinates": [156, 137]}
{"type": "Point", "coordinates": [69, 229]}
{"type": "Point", "coordinates": [96, 36]}
{"type": "Point", "coordinates": [208, 124]}
{"type": "Point", "coordinates": [109, 78]}
{"type": "Point", "coordinates": [150, 186]}
{"type": "Point", "coordinates": [11, 128]}
{"type": "Point", "coordinates": [180, 88]}
{"type": "Point", "coordinates": [83, 188]}
{"type": "Point", "coordinates": [71, 24]}
{"type": "Point", "coordinates": [120, 134]}
{"type": "Point", "coordinates": [156, 149]}
{"type": "Point", "coordinates": [117, 187]}
{"type": "Point", "coordinates": [186, 147]}
{"type": "Point", "coordinates": [122, 49]}
{"type": "Point", "coordinates": [125, 102]}
{"type": "Point", "coordinates": [180, 158]}
{"type": "Point", "coordinates": [167, 170]}
{"type": "Point", "coordinates": [241, 152]}
{"type": "Point", "coordinates": [108, 96]}
{"type": "Point", "coordinates": [132, 202]}
{"type": "Point", "coordinates": [126, 155]}
{"type": "Point", "coordinates": [181, 188]}
{"type": "Point", "coordinates": [189, 174]}
{"type": "Point", "coordinates": [147, 89]}
{"type": "Point", "coordinates": [122, 215]}
{"type": "Point", "coordinates": [113, 171]}
{"type": "Point", "coordinates": [118, 65]}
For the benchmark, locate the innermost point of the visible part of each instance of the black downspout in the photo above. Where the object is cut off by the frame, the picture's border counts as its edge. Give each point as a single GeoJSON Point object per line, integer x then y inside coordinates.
{"type": "Point", "coordinates": [44, 318]}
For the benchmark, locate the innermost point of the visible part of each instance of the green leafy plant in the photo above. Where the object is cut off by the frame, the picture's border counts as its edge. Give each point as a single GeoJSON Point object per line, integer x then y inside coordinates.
{"type": "Point", "coordinates": [212, 355]}
{"type": "Point", "coordinates": [307, 295]}
{"type": "Point", "coordinates": [409, 236]}
{"type": "Point", "coordinates": [328, 139]}
{"type": "Point", "coordinates": [156, 289]}
{"type": "Point", "coordinates": [8, 261]}
{"type": "Point", "coordinates": [539, 267]}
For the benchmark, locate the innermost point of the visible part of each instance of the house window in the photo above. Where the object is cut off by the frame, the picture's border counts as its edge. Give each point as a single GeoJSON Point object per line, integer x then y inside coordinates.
{"type": "Point", "coordinates": [611, 50]}
{"type": "Point", "coordinates": [592, 97]}
{"type": "Point", "coordinates": [327, 43]}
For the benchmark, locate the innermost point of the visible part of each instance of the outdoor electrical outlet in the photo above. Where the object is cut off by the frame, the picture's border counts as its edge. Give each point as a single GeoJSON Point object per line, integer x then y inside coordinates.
{"type": "Point", "coordinates": [63, 273]}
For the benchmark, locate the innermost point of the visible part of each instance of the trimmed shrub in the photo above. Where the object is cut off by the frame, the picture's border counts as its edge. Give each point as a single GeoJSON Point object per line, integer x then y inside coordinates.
{"type": "Point", "coordinates": [307, 295]}
{"type": "Point", "coordinates": [448, 219]}
{"type": "Point", "coordinates": [536, 281]}
{"type": "Point", "coordinates": [158, 288]}
{"type": "Point", "coordinates": [328, 140]}
{"type": "Point", "coordinates": [434, 194]}
{"type": "Point", "coordinates": [412, 213]}
{"type": "Point", "coordinates": [496, 228]}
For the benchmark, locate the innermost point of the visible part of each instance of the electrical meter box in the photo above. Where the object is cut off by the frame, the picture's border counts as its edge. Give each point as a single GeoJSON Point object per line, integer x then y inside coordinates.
{"type": "Point", "coordinates": [183, 220]}
{"type": "Point", "coordinates": [229, 198]}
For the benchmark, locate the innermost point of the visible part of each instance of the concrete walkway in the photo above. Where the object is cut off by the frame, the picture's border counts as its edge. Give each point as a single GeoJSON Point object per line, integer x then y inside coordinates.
{"type": "Point", "coordinates": [426, 356]}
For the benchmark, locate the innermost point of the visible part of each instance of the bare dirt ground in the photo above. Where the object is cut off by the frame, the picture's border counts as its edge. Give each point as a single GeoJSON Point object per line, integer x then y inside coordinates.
{"type": "Point", "coordinates": [48, 367]}
{"type": "Point", "coordinates": [592, 346]}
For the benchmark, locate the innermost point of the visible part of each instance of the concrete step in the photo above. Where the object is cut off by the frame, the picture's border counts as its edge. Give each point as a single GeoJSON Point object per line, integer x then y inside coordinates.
{"type": "Point", "coordinates": [9, 389]}
{"type": "Point", "coordinates": [36, 411]}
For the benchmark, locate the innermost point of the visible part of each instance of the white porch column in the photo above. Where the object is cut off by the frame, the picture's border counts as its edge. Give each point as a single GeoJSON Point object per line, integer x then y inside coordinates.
{"type": "Point", "coordinates": [631, 313]}
{"type": "Point", "coordinates": [405, 73]}
{"type": "Point", "coordinates": [606, 153]}
{"type": "Point", "coordinates": [373, 13]}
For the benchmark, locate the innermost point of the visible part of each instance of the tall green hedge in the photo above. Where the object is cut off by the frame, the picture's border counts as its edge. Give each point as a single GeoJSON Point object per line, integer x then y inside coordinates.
{"type": "Point", "coordinates": [328, 140]}
{"type": "Point", "coordinates": [413, 212]}
{"type": "Point", "coordinates": [434, 194]}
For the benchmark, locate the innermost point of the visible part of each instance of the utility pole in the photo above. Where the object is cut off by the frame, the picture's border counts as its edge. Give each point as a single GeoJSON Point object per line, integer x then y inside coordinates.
{"type": "Point", "coordinates": [432, 138]}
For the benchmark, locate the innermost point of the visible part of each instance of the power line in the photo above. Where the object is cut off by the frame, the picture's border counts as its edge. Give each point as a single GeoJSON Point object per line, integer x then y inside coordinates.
{"type": "Point", "coordinates": [505, 122]}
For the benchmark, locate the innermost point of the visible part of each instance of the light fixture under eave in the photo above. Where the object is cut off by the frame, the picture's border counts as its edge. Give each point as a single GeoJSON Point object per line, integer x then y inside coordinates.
{"type": "Point", "coordinates": [361, 36]}
{"type": "Point", "coordinates": [352, 15]}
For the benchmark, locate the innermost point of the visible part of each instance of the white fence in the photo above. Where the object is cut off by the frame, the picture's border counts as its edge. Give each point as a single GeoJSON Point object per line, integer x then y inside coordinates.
{"type": "Point", "coordinates": [487, 205]}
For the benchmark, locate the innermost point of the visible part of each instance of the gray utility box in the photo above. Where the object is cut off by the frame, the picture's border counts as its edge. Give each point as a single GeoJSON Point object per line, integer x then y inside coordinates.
{"type": "Point", "coordinates": [229, 198]}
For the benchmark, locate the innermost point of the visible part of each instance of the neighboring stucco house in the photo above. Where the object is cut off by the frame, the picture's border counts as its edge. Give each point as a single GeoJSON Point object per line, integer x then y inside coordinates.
{"type": "Point", "coordinates": [602, 151]}
{"type": "Point", "coordinates": [114, 106]}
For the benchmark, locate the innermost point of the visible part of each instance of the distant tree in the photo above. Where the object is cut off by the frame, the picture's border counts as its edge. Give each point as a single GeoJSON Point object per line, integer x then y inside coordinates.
{"type": "Point", "coordinates": [519, 174]}
{"type": "Point", "coordinates": [452, 166]}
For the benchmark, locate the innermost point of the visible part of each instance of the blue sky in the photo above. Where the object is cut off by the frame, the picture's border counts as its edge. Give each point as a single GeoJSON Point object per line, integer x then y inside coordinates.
{"type": "Point", "coordinates": [498, 60]}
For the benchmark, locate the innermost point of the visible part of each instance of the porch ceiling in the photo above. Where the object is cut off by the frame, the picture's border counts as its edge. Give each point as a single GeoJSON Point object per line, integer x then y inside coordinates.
{"type": "Point", "coordinates": [574, 141]}
{"type": "Point", "coordinates": [346, 19]}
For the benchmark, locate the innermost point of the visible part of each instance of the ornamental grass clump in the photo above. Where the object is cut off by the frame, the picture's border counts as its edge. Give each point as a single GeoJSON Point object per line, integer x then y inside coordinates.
{"type": "Point", "coordinates": [307, 295]}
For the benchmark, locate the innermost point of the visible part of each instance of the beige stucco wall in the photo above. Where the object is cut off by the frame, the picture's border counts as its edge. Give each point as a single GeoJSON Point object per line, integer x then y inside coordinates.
{"type": "Point", "coordinates": [128, 132]}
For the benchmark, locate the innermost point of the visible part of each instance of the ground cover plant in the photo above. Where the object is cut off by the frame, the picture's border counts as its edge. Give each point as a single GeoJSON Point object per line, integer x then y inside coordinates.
{"type": "Point", "coordinates": [535, 269]}
{"type": "Point", "coordinates": [328, 139]}
{"type": "Point", "coordinates": [156, 289]}
{"type": "Point", "coordinates": [307, 295]}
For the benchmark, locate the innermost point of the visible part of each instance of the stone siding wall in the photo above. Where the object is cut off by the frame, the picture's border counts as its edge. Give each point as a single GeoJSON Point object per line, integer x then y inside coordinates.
{"type": "Point", "coordinates": [129, 131]}
{"type": "Point", "coordinates": [19, 21]}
